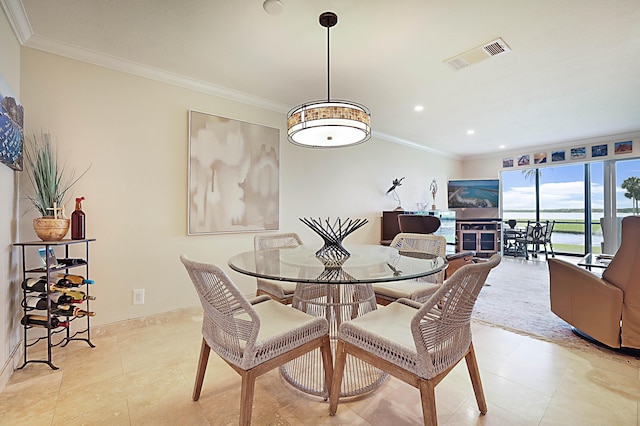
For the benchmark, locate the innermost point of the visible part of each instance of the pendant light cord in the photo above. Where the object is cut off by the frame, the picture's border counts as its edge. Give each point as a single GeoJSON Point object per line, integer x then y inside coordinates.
{"type": "Point", "coordinates": [328, 68]}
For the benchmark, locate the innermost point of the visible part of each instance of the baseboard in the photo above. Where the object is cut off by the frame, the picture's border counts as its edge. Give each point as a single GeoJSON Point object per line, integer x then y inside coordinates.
{"type": "Point", "coordinates": [14, 359]}
{"type": "Point", "coordinates": [161, 318]}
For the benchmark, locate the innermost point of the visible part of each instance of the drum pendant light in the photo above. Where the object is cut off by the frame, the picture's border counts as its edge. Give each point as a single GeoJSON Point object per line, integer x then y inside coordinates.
{"type": "Point", "coordinates": [327, 123]}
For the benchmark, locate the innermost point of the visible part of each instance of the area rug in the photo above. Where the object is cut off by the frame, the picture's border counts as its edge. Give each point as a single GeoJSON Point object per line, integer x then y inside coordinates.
{"type": "Point", "coordinates": [516, 298]}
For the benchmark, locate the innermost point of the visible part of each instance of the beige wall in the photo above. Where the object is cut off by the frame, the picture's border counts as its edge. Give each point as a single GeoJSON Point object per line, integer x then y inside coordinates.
{"type": "Point", "coordinates": [133, 133]}
{"type": "Point", "coordinates": [9, 293]}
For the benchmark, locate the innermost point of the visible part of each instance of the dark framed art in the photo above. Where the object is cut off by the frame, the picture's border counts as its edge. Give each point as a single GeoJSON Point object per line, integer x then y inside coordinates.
{"type": "Point", "coordinates": [11, 128]}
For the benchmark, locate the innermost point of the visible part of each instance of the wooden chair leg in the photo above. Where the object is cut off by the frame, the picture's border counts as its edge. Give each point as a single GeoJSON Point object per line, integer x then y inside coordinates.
{"type": "Point", "coordinates": [338, 371]}
{"type": "Point", "coordinates": [474, 373]}
{"type": "Point", "coordinates": [327, 361]}
{"type": "Point", "coordinates": [428, 398]}
{"type": "Point", "coordinates": [202, 368]}
{"type": "Point", "coordinates": [246, 397]}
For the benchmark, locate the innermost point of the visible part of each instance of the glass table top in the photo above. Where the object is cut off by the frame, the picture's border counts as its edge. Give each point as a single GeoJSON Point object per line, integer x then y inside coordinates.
{"type": "Point", "coordinates": [367, 264]}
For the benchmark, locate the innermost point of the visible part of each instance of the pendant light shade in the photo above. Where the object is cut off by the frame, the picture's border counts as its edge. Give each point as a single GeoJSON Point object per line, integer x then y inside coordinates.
{"type": "Point", "coordinates": [328, 124]}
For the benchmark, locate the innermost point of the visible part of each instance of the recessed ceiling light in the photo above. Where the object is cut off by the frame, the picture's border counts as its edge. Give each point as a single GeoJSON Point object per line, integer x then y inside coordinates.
{"type": "Point", "coordinates": [470, 131]}
{"type": "Point", "coordinates": [418, 108]}
{"type": "Point", "coordinates": [502, 146]}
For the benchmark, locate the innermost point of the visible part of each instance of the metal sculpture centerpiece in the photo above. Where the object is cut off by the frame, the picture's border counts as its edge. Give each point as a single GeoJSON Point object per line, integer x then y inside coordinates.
{"type": "Point", "coordinates": [333, 254]}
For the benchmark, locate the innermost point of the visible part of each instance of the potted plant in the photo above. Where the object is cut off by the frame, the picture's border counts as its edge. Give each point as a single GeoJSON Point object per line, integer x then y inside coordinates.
{"type": "Point", "coordinates": [50, 185]}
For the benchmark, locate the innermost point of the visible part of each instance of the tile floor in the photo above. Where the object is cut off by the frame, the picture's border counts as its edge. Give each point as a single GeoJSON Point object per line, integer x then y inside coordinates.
{"type": "Point", "coordinates": [142, 372]}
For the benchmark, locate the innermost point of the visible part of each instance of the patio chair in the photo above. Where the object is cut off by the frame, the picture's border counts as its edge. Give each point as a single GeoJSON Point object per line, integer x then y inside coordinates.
{"type": "Point", "coordinates": [281, 291]}
{"type": "Point", "coordinates": [533, 236]}
{"type": "Point", "coordinates": [253, 337]}
{"type": "Point", "coordinates": [419, 344]}
{"type": "Point", "coordinates": [547, 238]}
{"type": "Point", "coordinates": [419, 289]}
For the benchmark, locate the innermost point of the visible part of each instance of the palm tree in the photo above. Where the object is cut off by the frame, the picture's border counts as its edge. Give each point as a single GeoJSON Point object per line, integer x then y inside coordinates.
{"type": "Point", "coordinates": [632, 186]}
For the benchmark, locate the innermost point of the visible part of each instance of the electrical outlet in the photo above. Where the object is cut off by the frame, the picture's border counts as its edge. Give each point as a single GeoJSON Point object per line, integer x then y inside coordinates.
{"type": "Point", "coordinates": [138, 296]}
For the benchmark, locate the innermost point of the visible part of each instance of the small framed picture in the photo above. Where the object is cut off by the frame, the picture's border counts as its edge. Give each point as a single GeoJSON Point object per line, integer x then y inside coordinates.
{"type": "Point", "coordinates": [507, 162]}
{"type": "Point", "coordinates": [523, 160]}
{"type": "Point", "coordinates": [623, 147]}
{"type": "Point", "coordinates": [599, 150]}
{"type": "Point", "coordinates": [539, 158]}
{"type": "Point", "coordinates": [578, 153]}
{"type": "Point", "coordinates": [557, 156]}
{"type": "Point", "coordinates": [52, 257]}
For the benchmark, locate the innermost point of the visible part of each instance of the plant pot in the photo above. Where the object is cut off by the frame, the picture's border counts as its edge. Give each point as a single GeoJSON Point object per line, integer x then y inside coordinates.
{"type": "Point", "coordinates": [50, 229]}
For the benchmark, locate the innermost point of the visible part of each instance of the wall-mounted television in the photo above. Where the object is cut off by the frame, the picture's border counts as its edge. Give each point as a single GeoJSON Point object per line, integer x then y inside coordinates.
{"type": "Point", "coordinates": [473, 194]}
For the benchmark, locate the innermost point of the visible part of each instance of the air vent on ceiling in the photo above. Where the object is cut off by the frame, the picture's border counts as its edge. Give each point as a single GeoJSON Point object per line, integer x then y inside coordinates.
{"type": "Point", "coordinates": [480, 53]}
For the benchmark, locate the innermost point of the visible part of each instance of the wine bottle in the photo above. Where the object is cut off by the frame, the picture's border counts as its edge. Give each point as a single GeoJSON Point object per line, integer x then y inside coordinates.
{"type": "Point", "coordinates": [61, 298]}
{"type": "Point", "coordinates": [78, 221]}
{"type": "Point", "coordinates": [70, 310]}
{"type": "Point", "coordinates": [75, 294]}
{"type": "Point", "coordinates": [73, 279]}
{"type": "Point", "coordinates": [36, 284]}
{"type": "Point", "coordinates": [63, 282]}
{"type": "Point", "coordinates": [41, 321]}
{"type": "Point", "coordinates": [38, 302]}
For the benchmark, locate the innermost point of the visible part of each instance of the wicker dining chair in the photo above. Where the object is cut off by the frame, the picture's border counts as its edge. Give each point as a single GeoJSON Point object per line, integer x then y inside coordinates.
{"type": "Point", "coordinates": [419, 343]}
{"type": "Point", "coordinates": [419, 289]}
{"type": "Point", "coordinates": [253, 337]}
{"type": "Point", "coordinates": [282, 291]}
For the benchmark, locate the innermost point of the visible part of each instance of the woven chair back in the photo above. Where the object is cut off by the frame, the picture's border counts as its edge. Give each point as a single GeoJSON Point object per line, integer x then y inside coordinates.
{"type": "Point", "coordinates": [422, 243]}
{"type": "Point", "coordinates": [273, 241]}
{"type": "Point", "coordinates": [442, 326]}
{"type": "Point", "coordinates": [230, 324]}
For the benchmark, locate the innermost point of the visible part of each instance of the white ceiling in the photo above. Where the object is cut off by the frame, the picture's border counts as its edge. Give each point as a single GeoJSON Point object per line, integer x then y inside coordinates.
{"type": "Point", "coordinates": [573, 71]}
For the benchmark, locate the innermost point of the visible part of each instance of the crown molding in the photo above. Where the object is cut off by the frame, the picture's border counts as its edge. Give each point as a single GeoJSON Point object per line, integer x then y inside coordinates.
{"type": "Point", "coordinates": [129, 67]}
{"type": "Point", "coordinates": [17, 19]}
{"type": "Point", "coordinates": [22, 29]}
{"type": "Point", "coordinates": [413, 145]}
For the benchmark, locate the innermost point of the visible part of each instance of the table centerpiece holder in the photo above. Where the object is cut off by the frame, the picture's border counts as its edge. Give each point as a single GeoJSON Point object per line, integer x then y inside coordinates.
{"type": "Point", "coordinates": [332, 254]}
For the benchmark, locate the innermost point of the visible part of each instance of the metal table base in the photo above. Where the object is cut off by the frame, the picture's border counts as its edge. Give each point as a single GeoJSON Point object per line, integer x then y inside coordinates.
{"type": "Point", "coordinates": [337, 303]}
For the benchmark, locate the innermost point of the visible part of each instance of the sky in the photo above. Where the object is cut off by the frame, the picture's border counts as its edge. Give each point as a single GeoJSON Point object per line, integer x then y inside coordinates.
{"type": "Point", "coordinates": [562, 187]}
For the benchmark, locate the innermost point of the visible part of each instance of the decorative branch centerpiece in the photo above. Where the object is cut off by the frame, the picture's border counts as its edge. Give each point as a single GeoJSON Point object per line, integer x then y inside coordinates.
{"type": "Point", "coordinates": [333, 254]}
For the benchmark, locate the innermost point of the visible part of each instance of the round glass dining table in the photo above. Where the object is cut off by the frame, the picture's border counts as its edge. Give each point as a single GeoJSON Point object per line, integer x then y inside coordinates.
{"type": "Point", "coordinates": [338, 293]}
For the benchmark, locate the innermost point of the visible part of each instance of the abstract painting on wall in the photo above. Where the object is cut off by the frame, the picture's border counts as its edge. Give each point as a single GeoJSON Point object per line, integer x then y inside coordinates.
{"type": "Point", "coordinates": [11, 128]}
{"type": "Point", "coordinates": [234, 175]}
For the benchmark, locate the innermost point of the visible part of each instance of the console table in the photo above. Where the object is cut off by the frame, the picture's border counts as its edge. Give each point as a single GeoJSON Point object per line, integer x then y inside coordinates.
{"type": "Point", "coordinates": [483, 236]}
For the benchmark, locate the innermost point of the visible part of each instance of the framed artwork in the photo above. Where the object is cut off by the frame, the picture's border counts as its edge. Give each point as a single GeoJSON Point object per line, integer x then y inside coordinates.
{"type": "Point", "coordinates": [557, 156]}
{"type": "Point", "coordinates": [11, 128]}
{"type": "Point", "coordinates": [523, 160]}
{"type": "Point", "coordinates": [623, 147]}
{"type": "Point", "coordinates": [599, 150]}
{"type": "Point", "coordinates": [540, 158]}
{"type": "Point", "coordinates": [578, 153]}
{"type": "Point", "coordinates": [507, 162]}
{"type": "Point", "coordinates": [234, 175]}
